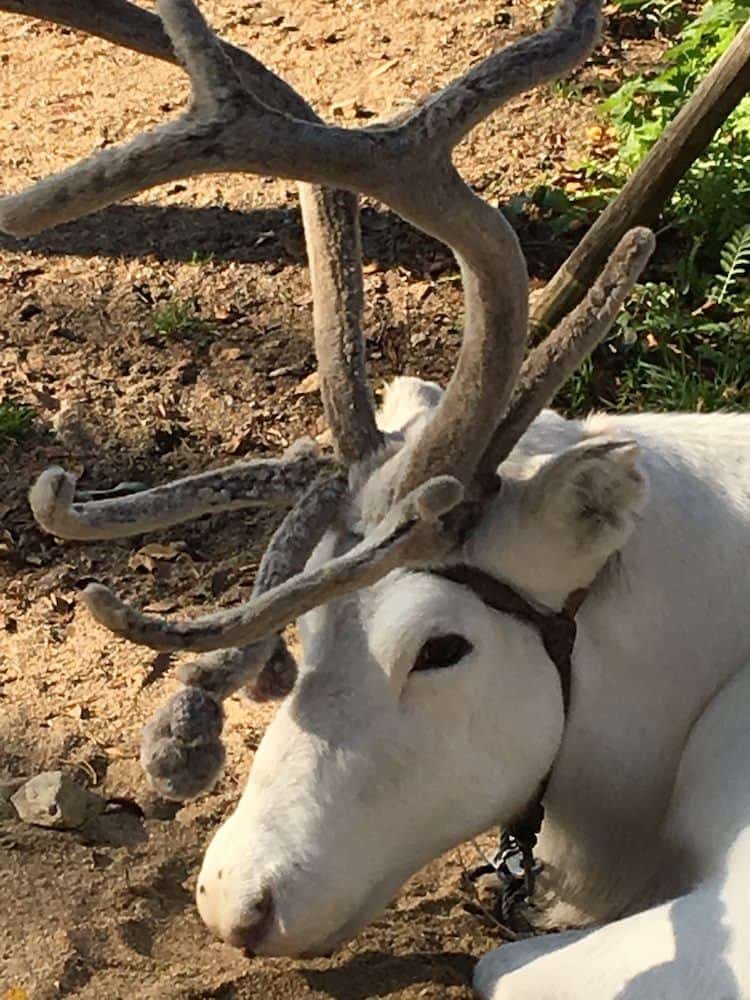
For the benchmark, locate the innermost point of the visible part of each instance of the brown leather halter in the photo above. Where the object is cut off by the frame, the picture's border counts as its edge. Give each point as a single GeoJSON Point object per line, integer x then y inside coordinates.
{"type": "Point", "coordinates": [557, 630]}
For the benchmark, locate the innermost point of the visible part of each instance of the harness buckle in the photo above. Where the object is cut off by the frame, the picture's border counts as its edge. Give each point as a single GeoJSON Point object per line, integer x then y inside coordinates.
{"type": "Point", "coordinates": [515, 868]}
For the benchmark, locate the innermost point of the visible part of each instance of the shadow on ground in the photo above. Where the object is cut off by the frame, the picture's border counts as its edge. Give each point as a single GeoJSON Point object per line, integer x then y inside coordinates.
{"type": "Point", "coordinates": [181, 233]}
{"type": "Point", "coordinates": [355, 979]}
{"type": "Point", "coordinates": [271, 235]}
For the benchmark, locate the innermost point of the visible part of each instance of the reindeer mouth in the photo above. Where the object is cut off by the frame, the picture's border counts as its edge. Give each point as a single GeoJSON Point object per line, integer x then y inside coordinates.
{"type": "Point", "coordinates": [377, 900]}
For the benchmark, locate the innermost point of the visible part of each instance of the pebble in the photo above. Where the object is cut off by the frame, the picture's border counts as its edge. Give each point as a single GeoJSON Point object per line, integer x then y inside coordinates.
{"type": "Point", "coordinates": [53, 799]}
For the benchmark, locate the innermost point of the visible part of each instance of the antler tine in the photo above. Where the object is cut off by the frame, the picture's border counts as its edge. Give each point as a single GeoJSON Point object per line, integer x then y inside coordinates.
{"type": "Point", "coordinates": [130, 26]}
{"type": "Point", "coordinates": [227, 670]}
{"type": "Point", "coordinates": [494, 271]}
{"type": "Point", "coordinates": [228, 129]}
{"type": "Point", "coordinates": [338, 309]}
{"type": "Point", "coordinates": [450, 115]}
{"type": "Point", "coordinates": [212, 74]}
{"type": "Point", "coordinates": [266, 482]}
{"type": "Point", "coordinates": [552, 363]}
{"type": "Point", "coordinates": [411, 534]}
{"type": "Point", "coordinates": [181, 749]}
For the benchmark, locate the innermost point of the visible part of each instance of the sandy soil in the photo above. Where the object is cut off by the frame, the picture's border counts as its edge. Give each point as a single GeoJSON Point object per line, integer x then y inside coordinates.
{"type": "Point", "coordinates": [107, 912]}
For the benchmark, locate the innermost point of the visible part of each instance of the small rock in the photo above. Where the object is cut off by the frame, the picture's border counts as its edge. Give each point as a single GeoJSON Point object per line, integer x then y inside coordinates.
{"type": "Point", "coordinates": [70, 424]}
{"type": "Point", "coordinates": [54, 800]}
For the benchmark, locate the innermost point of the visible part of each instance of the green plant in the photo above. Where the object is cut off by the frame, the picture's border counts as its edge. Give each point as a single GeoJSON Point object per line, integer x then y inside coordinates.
{"type": "Point", "coordinates": [735, 262]}
{"type": "Point", "coordinates": [561, 211]}
{"type": "Point", "coordinates": [683, 342]}
{"type": "Point", "coordinates": [663, 354]}
{"type": "Point", "coordinates": [178, 318]}
{"type": "Point", "coordinates": [660, 12]}
{"type": "Point", "coordinates": [16, 422]}
{"type": "Point", "coordinates": [715, 193]}
{"type": "Point", "coordinates": [200, 257]}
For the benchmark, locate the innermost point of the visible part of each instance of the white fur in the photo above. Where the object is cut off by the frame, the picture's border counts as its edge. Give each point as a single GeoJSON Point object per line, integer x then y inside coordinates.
{"type": "Point", "coordinates": [369, 771]}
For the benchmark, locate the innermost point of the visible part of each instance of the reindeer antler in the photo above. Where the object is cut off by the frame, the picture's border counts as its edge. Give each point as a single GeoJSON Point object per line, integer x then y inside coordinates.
{"type": "Point", "coordinates": [550, 365]}
{"type": "Point", "coordinates": [412, 534]}
{"type": "Point", "coordinates": [266, 482]}
{"type": "Point", "coordinates": [181, 749]}
{"type": "Point", "coordinates": [406, 164]}
{"type": "Point", "coordinates": [242, 118]}
{"type": "Point", "coordinates": [330, 217]}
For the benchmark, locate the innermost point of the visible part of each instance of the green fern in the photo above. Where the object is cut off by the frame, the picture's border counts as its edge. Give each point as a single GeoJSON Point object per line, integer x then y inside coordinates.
{"type": "Point", "coordinates": [735, 262]}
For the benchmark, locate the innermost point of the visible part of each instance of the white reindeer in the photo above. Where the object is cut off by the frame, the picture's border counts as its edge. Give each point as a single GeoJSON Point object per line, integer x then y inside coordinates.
{"type": "Point", "coordinates": [443, 688]}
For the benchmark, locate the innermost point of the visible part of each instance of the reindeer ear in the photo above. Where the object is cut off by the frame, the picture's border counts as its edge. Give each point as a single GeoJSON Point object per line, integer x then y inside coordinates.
{"type": "Point", "coordinates": [591, 492]}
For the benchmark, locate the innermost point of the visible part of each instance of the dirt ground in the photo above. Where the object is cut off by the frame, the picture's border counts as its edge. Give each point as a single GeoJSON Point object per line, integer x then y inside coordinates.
{"type": "Point", "coordinates": [107, 913]}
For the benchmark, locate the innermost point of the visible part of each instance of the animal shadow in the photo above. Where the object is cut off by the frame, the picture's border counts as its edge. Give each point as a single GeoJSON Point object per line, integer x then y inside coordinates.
{"type": "Point", "coordinates": [373, 974]}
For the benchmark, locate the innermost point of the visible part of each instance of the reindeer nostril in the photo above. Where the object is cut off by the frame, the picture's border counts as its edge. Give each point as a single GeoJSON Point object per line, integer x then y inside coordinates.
{"type": "Point", "coordinates": [255, 925]}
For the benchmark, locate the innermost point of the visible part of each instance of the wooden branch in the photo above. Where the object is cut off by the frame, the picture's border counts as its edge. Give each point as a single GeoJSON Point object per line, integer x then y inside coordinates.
{"type": "Point", "coordinates": [644, 196]}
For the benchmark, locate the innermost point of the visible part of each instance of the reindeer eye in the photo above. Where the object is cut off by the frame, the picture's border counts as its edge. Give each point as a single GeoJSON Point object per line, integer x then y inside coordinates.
{"type": "Point", "coordinates": [442, 651]}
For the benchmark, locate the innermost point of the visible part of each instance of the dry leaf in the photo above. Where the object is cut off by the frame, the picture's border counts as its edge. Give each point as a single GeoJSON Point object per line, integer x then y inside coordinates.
{"type": "Point", "coordinates": [421, 290]}
{"type": "Point", "coordinates": [161, 550]}
{"type": "Point", "coordinates": [241, 442]}
{"type": "Point", "coordinates": [270, 17]}
{"type": "Point", "coordinates": [308, 385]}
{"type": "Point", "coordinates": [147, 557]}
{"type": "Point", "coordinates": [59, 604]}
{"type": "Point", "coordinates": [78, 712]}
{"type": "Point", "coordinates": [7, 543]}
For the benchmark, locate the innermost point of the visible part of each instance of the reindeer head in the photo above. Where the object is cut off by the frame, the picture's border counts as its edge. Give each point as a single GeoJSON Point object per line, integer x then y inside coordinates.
{"type": "Point", "coordinates": [388, 750]}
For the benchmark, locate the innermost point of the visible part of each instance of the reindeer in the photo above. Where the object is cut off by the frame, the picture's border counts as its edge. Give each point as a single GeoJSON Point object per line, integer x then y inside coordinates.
{"type": "Point", "coordinates": [504, 613]}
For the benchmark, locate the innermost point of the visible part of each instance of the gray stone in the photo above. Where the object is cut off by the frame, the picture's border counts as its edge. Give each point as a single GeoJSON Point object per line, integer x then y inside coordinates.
{"type": "Point", "coordinates": [54, 800]}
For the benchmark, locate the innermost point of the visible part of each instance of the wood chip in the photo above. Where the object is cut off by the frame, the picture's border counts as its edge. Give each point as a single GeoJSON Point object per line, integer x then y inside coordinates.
{"type": "Point", "coordinates": [308, 385]}
{"type": "Point", "coordinates": [383, 68]}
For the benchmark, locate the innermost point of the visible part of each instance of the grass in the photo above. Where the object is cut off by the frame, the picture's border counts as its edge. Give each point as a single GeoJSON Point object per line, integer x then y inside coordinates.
{"type": "Point", "coordinates": [683, 342]}
{"type": "Point", "coordinates": [16, 423]}
{"type": "Point", "coordinates": [661, 356]}
{"type": "Point", "coordinates": [179, 318]}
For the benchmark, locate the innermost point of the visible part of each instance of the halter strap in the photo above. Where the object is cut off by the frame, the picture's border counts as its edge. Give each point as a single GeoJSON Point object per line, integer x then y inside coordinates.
{"type": "Point", "coordinates": [557, 630]}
